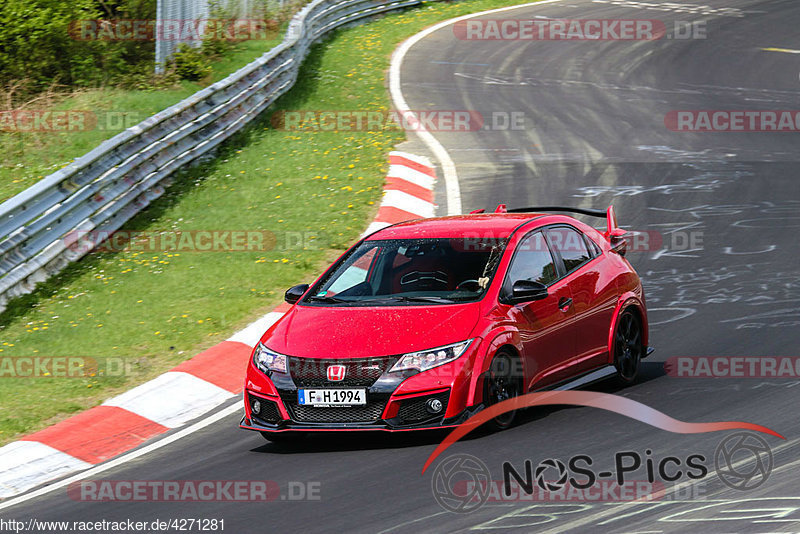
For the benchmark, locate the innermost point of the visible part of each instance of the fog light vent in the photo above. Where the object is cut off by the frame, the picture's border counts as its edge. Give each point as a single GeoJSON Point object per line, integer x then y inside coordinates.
{"type": "Point", "coordinates": [433, 406]}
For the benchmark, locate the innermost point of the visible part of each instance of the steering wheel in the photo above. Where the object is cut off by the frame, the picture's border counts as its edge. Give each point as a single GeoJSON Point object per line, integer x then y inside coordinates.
{"type": "Point", "coordinates": [463, 285]}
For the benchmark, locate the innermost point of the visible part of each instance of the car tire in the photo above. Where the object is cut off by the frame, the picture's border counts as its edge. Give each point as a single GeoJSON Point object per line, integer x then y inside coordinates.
{"type": "Point", "coordinates": [283, 437]}
{"type": "Point", "coordinates": [628, 347]}
{"type": "Point", "coordinates": [503, 382]}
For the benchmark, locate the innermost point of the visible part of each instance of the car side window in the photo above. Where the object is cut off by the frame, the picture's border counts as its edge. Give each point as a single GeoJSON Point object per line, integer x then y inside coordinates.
{"type": "Point", "coordinates": [532, 261]}
{"type": "Point", "coordinates": [594, 250]}
{"type": "Point", "coordinates": [570, 245]}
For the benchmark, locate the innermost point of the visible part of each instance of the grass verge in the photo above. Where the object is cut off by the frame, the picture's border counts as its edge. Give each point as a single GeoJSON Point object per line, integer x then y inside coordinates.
{"type": "Point", "coordinates": [155, 309]}
{"type": "Point", "coordinates": [29, 156]}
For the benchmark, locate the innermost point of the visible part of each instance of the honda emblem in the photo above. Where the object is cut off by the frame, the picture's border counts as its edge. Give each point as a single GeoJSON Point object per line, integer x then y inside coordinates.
{"type": "Point", "coordinates": [336, 373]}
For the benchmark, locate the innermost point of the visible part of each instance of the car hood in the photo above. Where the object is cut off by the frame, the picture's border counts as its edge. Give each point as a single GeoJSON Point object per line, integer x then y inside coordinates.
{"type": "Point", "coordinates": [360, 332]}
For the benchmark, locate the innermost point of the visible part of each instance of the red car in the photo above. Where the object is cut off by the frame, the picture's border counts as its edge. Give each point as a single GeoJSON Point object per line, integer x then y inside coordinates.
{"type": "Point", "coordinates": [422, 324]}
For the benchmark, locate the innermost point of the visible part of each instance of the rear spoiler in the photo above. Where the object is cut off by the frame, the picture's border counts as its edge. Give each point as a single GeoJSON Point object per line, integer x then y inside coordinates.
{"type": "Point", "coordinates": [614, 234]}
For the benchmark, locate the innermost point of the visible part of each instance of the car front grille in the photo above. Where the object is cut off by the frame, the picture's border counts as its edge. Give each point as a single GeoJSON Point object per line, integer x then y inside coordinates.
{"type": "Point", "coordinates": [368, 413]}
{"type": "Point", "coordinates": [361, 372]}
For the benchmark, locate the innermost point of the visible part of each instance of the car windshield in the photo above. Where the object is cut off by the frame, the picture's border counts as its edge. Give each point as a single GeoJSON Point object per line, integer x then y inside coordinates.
{"type": "Point", "coordinates": [409, 271]}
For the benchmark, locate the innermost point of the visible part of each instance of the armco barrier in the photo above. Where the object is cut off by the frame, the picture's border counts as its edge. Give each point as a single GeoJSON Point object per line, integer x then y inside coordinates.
{"type": "Point", "coordinates": [107, 186]}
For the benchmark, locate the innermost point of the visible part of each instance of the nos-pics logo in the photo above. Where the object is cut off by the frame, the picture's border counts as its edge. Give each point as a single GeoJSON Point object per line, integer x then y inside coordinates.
{"type": "Point", "coordinates": [461, 483]}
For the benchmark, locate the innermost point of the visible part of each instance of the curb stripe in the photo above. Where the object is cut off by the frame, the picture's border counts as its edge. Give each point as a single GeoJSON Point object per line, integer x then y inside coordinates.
{"type": "Point", "coordinates": [390, 215]}
{"type": "Point", "coordinates": [410, 175]}
{"type": "Point", "coordinates": [406, 202]}
{"type": "Point", "coordinates": [408, 193]}
{"type": "Point", "coordinates": [171, 399]}
{"type": "Point", "coordinates": [223, 365]}
{"type": "Point", "coordinates": [412, 166]}
{"type": "Point", "coordinates": [399, 184]}
{"type": "Point", "coordinates": [26, 464]}
{"type": "Point", "coordinates": [253, 332]}
{"type": "Point", "coordinates": [420, 163]}
{"type": "Point", "coordinates": [113, 431]}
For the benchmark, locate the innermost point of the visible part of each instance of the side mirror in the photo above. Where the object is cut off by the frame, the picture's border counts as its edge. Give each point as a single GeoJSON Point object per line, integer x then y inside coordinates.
{"type": "Point", "coordinates": [527, 291]}
{"type": "Point", "coordinates": [293, 294]}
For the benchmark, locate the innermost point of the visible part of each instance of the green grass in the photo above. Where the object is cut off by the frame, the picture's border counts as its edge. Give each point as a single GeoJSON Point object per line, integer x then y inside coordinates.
{"type": "Point", "coordinates": [157, 309]}
{"type": "Point", "coordinates": [30, 156]}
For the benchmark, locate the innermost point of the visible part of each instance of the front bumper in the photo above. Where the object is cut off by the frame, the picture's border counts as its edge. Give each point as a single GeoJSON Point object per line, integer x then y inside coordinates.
{"type": "Point", "coordinates": [399, 414]}
{"type": "Point", "coordinates": [395, 401]}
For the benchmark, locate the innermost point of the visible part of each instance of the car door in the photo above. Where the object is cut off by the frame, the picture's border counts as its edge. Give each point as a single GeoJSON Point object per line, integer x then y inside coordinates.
{"type": "Point", "coordinates": [543, 324]}
{"type": "Point", "coordinates": [593, 295]}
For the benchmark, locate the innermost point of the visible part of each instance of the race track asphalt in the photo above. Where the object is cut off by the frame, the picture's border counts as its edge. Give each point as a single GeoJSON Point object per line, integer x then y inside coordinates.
{"type": "Point", "coordinates": [593, 134]}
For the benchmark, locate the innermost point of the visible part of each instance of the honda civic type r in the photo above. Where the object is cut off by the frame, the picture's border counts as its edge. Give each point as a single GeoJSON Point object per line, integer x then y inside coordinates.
{"type": "Point", "coordinates": [424, 323]}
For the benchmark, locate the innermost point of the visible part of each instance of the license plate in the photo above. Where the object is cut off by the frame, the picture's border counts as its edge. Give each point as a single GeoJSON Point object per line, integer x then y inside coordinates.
{"type": "Point", "coordinates": [331, 397]}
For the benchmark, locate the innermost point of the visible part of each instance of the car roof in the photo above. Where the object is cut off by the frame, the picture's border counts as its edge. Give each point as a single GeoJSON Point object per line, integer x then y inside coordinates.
{"type": "Point", "coordinates": [493, 225]}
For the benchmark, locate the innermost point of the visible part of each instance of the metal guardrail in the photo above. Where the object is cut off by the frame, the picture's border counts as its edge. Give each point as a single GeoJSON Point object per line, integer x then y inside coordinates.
{"type": "Point", "coordinates": [103, 189]}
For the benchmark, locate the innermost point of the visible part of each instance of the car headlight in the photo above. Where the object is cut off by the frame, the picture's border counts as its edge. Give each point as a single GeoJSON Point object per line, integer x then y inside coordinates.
{"type": "Point", "coordinates": [268, 361]}
{"type": "Point", "coordinates": [428, 359]}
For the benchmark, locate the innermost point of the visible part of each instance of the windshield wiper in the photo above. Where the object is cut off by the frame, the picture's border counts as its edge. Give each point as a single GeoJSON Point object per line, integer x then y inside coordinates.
{"type": "Point", "coordinates": [417, 298]}
{"type": "Point", "coordinates": [323, 298]}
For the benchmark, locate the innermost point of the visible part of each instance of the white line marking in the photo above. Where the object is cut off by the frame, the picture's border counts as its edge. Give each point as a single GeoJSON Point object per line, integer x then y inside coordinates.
{"type": "Point", "coordinates": [452, 187]}
{"type": "Point", "coordinates": [784, 50]}
{"type": "Point", "coordinates": [233, 408]}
